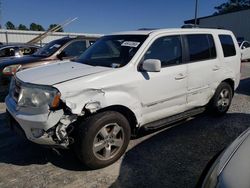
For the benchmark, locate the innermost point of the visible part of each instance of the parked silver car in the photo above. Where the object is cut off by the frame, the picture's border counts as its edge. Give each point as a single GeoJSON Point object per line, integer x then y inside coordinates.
{"type": "Point", "coordinates": [232, 168]}
{"type": "Point", "coordinates": [245, 50]}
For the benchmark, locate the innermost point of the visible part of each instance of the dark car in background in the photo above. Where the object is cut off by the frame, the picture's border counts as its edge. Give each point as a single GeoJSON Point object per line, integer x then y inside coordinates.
{"type": "Point", "coordinates": [16, 50]}
{"type": "Point", "coordinates": [57, 50]}
{"type": "Point", "coordinates": [231, 169]}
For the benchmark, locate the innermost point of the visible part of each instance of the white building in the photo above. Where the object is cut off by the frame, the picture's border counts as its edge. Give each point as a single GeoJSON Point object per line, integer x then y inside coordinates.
{"type": "Point", "coordinates": [17, 36]}
{"type": "Point", "coordinates": [238, 22]}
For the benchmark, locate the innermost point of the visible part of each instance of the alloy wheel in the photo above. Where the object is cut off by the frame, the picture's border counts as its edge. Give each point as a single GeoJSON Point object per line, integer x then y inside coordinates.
{"type": "Point", "coordinates": [223, 100]}
{"type": "Point", "coordinates": [108, 141]}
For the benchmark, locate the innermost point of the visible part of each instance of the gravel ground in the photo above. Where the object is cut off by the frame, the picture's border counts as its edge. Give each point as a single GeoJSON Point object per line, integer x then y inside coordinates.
{"type": "Point", "coordinates": [172, 157]}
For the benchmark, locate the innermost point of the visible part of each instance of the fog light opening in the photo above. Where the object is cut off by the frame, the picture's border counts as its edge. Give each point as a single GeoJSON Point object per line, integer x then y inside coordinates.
{"type": "Point", "coordinates": [37, 132]}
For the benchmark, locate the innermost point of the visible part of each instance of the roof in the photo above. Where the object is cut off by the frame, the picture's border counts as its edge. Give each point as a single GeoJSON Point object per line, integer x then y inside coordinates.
{"type": "Point", "coordinates": [137, 32]}
{"type": "Point", "coordinates": [169, 30]}
{"type": "Point", "coordinates": [191, 21]}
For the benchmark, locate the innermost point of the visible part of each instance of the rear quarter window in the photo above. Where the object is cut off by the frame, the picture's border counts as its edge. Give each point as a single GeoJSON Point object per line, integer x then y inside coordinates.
{"type": "Point", "coordinates": [227, 45]}
{"type": "Point", "coordinates": [201, 47]}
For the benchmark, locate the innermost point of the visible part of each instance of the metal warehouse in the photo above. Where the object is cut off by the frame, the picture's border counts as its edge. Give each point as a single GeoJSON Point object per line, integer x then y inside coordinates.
{"type": "Point", "coordinates": [17, 36]}
{"type": "Point", "coordinates": [238, 22]}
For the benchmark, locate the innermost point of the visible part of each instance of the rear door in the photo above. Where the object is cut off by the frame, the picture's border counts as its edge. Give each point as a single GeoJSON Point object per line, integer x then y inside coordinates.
{"type": "Point", "coordinates": [202, 67]}
{"type": "Point", "coordinates": [231, 60]}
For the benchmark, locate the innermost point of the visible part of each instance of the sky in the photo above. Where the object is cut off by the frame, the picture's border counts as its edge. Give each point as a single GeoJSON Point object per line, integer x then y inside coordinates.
{"type": "Point", "coordinates": [105, 16]}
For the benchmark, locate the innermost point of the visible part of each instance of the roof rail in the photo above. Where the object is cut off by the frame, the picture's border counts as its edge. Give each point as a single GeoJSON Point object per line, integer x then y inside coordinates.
{"type": "Point", "coordinates": [200, 26]}
{"type": "Point", "coordinates": [189, 26]}
{"type": "Point", "coordinates": [87, 37]}
{"type": "Point", "coordinates": [147, 29]}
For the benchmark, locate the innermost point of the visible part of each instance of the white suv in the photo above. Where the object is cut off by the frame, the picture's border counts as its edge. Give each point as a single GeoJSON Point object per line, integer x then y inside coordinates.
{"type": "Point", "coordinates": [124, 82]}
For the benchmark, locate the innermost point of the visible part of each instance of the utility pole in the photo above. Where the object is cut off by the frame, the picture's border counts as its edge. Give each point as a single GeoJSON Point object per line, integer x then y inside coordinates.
{"type": "Point", "coordinates": [1, 18]}
{"type": "Point", "coordinates": [196, 12]}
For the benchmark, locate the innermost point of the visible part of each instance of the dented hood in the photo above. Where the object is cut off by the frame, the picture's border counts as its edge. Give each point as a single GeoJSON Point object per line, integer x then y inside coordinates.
{"type": "Point", "coordinates": [58, 72]}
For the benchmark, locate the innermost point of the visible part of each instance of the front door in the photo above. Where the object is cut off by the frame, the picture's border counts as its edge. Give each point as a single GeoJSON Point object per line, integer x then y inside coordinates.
{"type": "Point", "coordinates": [163, 93]}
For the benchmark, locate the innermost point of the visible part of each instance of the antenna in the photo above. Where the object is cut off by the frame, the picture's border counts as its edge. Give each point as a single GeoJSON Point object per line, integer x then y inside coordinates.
{"type": "Point", "coordinates": [54, 29]}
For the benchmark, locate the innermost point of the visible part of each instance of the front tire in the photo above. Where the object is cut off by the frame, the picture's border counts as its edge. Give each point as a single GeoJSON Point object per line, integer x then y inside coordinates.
{"type": "Point", "coordinates": [221, 100]}
{"type": "Point", "coordinates": [102, 139]}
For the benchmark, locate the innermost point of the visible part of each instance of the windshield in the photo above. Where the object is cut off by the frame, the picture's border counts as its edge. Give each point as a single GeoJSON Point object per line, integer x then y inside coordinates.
{"type": "Point", "coordinates": [112, 51]}
{"type": "Point", "coordinates": [50, 48]}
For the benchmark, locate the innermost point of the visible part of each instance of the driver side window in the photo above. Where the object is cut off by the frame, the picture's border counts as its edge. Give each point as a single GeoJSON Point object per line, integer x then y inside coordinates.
{"type": "Point", "coordinates": [166, 49]}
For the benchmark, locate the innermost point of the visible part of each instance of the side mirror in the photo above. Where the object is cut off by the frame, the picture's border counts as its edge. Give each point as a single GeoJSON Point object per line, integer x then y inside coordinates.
{"type": "Point", "coordinates": [61, 55]}
{"type": "Point", "coordinates": [151, 65]}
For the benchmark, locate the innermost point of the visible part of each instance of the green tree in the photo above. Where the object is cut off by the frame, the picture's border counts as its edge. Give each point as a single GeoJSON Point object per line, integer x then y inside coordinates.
{"type": "Point", "coordinates": [10, 25]}
{"type": "Point", "coordinates": [54, 25]}
{"type": "Point", "coordinates": [232, 6]}
{"type": "Point", "coordinates": [33, 27]}
{"type": "Point", "coordinates": [22, 27]}
{"type": "Point", "coordinates": [36, 27]}
{"type": "Point", "coordinates": [40, 28]}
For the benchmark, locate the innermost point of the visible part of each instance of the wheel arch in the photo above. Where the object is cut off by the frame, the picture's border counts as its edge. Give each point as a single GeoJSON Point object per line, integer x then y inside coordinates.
{"type": "Point", "coordinates": [231, 83]}
{"type": "Point", "coordinates": [126, 112]}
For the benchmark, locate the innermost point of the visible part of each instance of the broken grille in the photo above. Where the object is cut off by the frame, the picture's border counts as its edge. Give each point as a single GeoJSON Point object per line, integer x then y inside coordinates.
{"type": "Point", "coordinates": [16, 90]}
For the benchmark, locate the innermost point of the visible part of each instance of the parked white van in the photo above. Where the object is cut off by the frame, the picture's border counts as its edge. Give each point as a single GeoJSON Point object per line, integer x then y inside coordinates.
{"type": "Point", "coordinates": [122, 83]}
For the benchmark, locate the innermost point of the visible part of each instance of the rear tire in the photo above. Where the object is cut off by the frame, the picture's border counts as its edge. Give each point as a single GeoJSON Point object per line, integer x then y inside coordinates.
{"type": "Point", "coordinates": [221, 100]}
{"type": "Point", "coordinates": [102, 139]}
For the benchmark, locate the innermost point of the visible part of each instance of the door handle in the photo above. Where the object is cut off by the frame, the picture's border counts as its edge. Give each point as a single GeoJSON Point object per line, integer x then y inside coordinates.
{"type": "Point", "coordinates": [215, 68]}
{"type": "Point", "coordinates": [180, 76]}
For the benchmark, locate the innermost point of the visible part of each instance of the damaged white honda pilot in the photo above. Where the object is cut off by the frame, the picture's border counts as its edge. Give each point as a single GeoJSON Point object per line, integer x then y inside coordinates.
{"type": "Point", "coordinates": [122, 83]}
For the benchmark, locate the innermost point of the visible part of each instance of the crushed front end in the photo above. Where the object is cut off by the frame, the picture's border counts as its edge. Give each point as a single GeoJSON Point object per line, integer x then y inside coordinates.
{"type": "Point", "coordinates": [40, 114]}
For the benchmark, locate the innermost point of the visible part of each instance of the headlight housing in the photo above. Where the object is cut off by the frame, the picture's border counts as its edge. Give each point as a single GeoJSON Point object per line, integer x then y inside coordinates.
{"type": "Point", "coordinates": [38, 96]}
{"type": "Point", "coordinates": [11, 70]}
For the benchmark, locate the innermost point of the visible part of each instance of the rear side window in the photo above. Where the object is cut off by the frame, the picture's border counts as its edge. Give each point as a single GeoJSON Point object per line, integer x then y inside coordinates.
{"type": "Point", "coordinates": [201, 47]}
{"type": "Point", "coordinates": [227, 45]}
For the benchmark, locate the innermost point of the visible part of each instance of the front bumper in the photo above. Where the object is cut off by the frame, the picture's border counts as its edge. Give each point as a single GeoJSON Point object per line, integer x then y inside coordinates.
{"type": "Point", "coordinates": [30, 119]}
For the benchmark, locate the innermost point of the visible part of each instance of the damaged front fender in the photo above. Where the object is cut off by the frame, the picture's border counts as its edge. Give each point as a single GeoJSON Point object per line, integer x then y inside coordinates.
{"type": "Point", "coordinates": [92, 100]}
